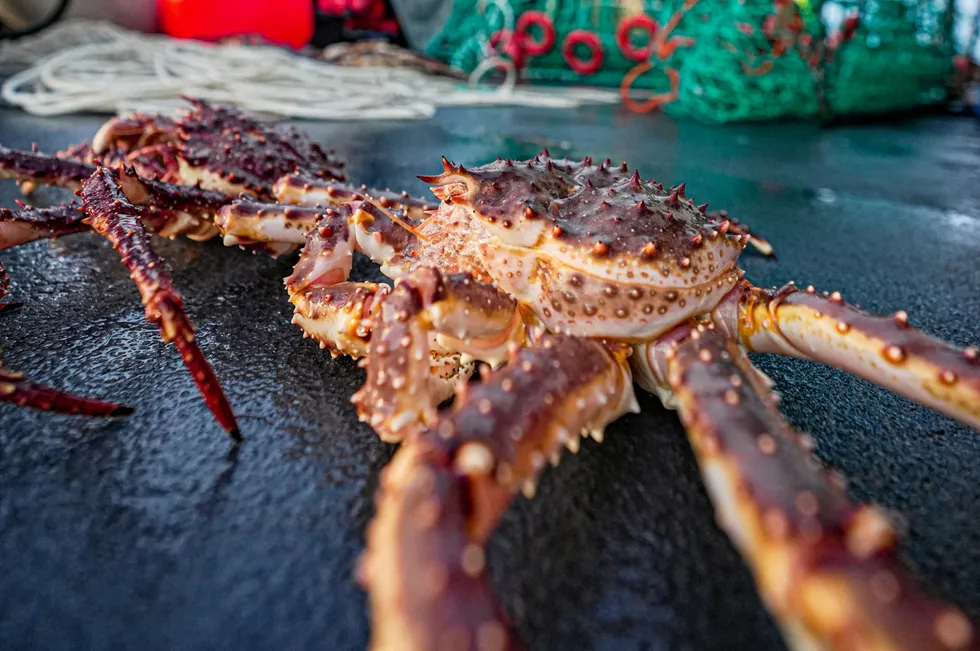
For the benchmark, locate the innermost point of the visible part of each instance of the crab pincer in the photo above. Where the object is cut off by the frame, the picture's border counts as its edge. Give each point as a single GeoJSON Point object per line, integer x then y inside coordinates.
{"type": "Point", "coordinates": [112, 215]}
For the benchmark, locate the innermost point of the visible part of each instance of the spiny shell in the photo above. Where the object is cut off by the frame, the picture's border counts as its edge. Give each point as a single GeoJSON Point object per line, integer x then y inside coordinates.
{"type": "Point", "coordinates": [598, 215]}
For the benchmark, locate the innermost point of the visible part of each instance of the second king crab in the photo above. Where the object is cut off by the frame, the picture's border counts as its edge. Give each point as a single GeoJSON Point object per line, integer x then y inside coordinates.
{"type": "Point", "coordinates": [566, 284]}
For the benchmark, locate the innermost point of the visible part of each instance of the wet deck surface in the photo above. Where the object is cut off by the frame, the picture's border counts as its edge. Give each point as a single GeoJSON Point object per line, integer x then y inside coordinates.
{"type": "Point", "coordinates": [149, 534]}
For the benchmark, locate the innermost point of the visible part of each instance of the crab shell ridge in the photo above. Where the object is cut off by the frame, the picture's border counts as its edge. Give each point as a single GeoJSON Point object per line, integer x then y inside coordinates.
{"type": "Point", "coordinates": [593, 249]}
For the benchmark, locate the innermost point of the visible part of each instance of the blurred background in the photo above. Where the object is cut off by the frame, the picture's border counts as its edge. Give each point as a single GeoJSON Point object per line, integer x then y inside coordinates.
{"type": "Point", "coordinates": [147, 534]}
{"type": "Point", "coordinates": [709, 60]}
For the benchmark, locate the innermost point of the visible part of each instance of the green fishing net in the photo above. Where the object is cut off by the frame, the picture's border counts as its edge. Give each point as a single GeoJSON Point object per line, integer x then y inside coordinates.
{"type": "Point", "coordinates": [734, 59]}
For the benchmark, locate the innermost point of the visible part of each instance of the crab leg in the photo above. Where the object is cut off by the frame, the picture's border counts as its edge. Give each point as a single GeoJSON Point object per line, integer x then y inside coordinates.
{"type": "Point", "coordinates": [45, 170]}
{"type": "Point", "coordinates": [153, 195]}
{"type": "Point", "coordinates": [426, 580]}
{"type": "Point", "coordinates": [464, 315]}
{"type": "Point", "coordinates": [69, 173]}
{"type": "Point", "coordinates": [442, 495]}
{"type": "Point", "coordinates": [302, 199]}
{"type": "Point", "coordinates": [15, 389]}
{"type": "Point", "coordinates": [884, 350]}
{"type": "Point", "coordinates": [308, 190]}
{"type": "Point", "coordinates": [827, 568]}
{"type": "Point", "coordinates": [329, 308]}
{"type": "Point", "coordinates": [112, 215]}
{"type": "Point", "coordinates": [29, 223]}
{"type": "Point", "coordinates": [275, 228]}
{"type": "Point", "coordinates": [167, 209]}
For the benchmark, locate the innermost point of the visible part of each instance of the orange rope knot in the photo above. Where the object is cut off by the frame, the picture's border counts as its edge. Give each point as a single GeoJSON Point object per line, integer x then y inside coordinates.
{"type": "Point", "coordinates": [654, 101]}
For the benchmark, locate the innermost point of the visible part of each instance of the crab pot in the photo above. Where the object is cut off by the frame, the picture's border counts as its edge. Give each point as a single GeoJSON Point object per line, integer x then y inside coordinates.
{"type": "Point", "coordinates": [733, 59]}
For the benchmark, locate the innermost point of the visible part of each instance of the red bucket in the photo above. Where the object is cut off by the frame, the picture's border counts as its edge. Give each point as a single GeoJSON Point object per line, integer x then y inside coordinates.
{"type": "Point", "coordinates": [283, 22]}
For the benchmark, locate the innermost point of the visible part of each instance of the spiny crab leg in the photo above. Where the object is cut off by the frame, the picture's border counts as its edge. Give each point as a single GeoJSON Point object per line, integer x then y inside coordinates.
{"type": "Point", "coordinates": [112, 215]}
{"type": "Point", "coordinates": [827, 567]}
{"type": "Point", "coordinates": [23, 393]}
{"type": "Point", "coordinates": [168, 208]}
{"type": "Point", "coordinates": [29, 224]}
{"type": "Point", "coordinates": [453, 313]}
{"type": "Point", "coordinates": [282, 227]}
{"type": "Point", "coordinates": [442, 495]}
{"type": "Point", "coordinates": [427, 581]}
{"type": "Point", "coordinates": [40, 169]}
{"type": "Point", "coordinates": [309, 190]}
{"type": "Point", "coordinates": [884, 350]}
{"type": "Point", "coordinates": [330, 309]}
{"type": "Point", "coordinates": [153, 195]}
{"type": "Point", "coordinates": [274, 228]}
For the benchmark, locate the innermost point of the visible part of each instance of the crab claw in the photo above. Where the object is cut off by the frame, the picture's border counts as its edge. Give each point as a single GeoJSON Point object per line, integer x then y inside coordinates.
{"type": "Point", "coordinates": [114, 217]}
{"type": "Point", "coordinates": [15, 389]}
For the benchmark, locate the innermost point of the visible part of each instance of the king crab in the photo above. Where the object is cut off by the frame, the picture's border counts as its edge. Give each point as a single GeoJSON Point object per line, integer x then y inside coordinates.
{"type": "Point", "coordinates": [574, 281]}
{"type": "Point", "coordinates": [571, 281]}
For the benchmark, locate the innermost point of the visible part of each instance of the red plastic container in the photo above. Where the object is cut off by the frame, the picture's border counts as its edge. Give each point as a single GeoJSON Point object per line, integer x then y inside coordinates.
{"type": "Point", "coordinates": [283, 22]}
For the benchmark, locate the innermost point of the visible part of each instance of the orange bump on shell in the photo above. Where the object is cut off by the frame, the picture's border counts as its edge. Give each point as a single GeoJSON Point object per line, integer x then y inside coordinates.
{"type": "Point", "coordinates": [953, 629]}
{"type": "Point", "coordinates": [948, 377]}
{"type": "Point", "coordinates": [894, 354]}
{"type": "Point", "coordinates": [767, 444]}
{"type": "Point", "coordinates": [885, 587]}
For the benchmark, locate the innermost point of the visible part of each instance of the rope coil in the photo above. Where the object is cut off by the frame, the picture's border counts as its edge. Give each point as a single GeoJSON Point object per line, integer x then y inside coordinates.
{"type": "Point", "coordinates": [91, 66]}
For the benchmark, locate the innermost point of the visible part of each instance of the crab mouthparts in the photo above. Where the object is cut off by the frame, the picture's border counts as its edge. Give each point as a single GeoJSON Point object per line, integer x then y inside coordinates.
{"type": "Point", "coordinates": [448, 191]}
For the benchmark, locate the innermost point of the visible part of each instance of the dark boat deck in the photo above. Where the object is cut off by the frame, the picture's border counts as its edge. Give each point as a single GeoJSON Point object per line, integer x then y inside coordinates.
{"type": "Point", "coordinates": [148, 534]}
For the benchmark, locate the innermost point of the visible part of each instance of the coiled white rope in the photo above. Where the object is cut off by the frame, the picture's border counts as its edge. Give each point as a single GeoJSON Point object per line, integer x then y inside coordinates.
{"type": "Point", "coordinates": [87, 66]}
